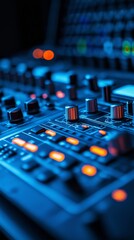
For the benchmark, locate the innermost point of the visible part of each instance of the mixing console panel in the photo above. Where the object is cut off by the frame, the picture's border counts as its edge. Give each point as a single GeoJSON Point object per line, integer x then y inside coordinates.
{"type": "Point", "coordinates": [66, 152]}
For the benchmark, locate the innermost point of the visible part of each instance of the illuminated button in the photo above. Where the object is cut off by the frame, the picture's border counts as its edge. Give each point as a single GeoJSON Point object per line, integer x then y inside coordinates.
{"type": "Point", "coordinates": [102, 132]}
{"type": "Point", "coordinates": [18, 141]}
{"type": "Point", "coordinates": [50, 132]}
{"type": "Point", "coordinates": [57, 156]}
{"type": "Point", "coordinates": [31, 147]}
{"type": "Point", "coordinates": [102, 152]}
{"type": "Point", "coordinates": [119, 195]}
{"type": "Point", "coordinates": [83, 127]}
{"type": "Point", "coordinates": [72, 141]}
{"type": "Point", "coordinates": [89, 170]}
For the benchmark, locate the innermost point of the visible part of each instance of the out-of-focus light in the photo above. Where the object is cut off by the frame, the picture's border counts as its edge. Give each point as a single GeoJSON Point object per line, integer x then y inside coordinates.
{"type": "Point", "coordinates": [102, 152]}
{"type": "Point", "coordinates": [126, 48]}
{"type": "Point", "coordinates": [33, 95]}
{"type": "Point", "coordinates": [37, 53]}
{"type": "Point", "coordinates": [48, 55]}
{"type": "Point", "coordinates": [44, 95]}
{"type": "Point", "coordinates": [18, 141]}
{"type": "Point", "coordinates": [119, 195]}
{"type": "Point", "coordinates": [50, 132]}
{"type": "Point", "coordinates": [89, 170]}
{"type": "Point", "coordinates": [133, 48]}
{"type": "Point", "coordinates": [60, 94]}
{"type": "Point", "coordinates": [113, 151]}
{"type": "Point", "coordinates": [102, 132]}
{"type": "Point", "coordinates": [72, 141]}
{"type": "Point", "coordinates": [57, 156]}
{"type": "Point", "coordinates": [82, 46]}
{"type": "Point", "coordinates": [31, 147]}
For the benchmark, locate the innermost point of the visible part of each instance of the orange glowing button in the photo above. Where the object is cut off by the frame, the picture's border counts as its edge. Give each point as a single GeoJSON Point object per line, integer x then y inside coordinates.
{"type": "Point", "coordinates": [72, 141]}
{"type": "Point", "coordinates": [60, 94]}
{"type": "Point", "coordinates": [89, 170]}
{"type": "Point", "coordinates": [102, 132]}
{"type": "Point", "coordinates": [50, 132]}
{"type": "Point", "coordinates": [119, 195]}
{"type": "Point", "coordinates": [85, 126]}
{"type": "Point", "coordinates": [102, 152]}
{"type": "Point", "coordinates": [18, 141]}
{"type": "Point", "coordinates": [57, 156]}
{"type": "Point", "coordinates": [37, 53]}
{"type": "Point", "coordinates": [48, 55]}
{"type": "Point", "coordinates": [31, 147]}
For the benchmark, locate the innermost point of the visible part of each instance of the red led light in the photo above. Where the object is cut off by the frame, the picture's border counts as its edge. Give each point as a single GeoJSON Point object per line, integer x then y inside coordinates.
{"type": "Point", "coordinates": [33, 95]}
{"type": "Point", "coordinates": [44, 95]}
{"type": "Point", "coordinates": [60, 94]}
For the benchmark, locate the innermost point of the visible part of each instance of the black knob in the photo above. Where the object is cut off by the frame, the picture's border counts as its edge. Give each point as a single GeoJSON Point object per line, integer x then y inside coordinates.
{"type": "Point", "coordinates": [71, 113]}
{"type": "Point", "coordinates": [1, 95]}
{"type": "Point", "coordinates": [8, 102]}
{"type": "Point", "coordinates": [129, 107]}
{"type": "Point", "coordinates": [32, 106]}
{"type": "Point", "coordinates": [92, 82]}
{"type": "Point", "coordinates": [91, 105]}
{"type": "Point", "coordinates": [73, 78]}
{"type": "Point", "coordinates": [106, 93]}
{"type": "Point", "coordinates": [15, 115]}
{"type": "Point", "coordinates": [71, 92]}
{"type": "Point", "coordinates": [50, 87]}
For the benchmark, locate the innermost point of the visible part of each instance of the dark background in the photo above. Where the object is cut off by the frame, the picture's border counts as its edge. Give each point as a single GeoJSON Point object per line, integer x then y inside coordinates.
{"type": "Point", "coordinates": [22, 25]}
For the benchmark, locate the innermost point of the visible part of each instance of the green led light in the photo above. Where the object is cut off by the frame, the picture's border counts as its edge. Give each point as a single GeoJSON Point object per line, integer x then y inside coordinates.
{"type": "Point", "coordinates": [82, 46]}
{"type": "Point", "coordinates": [126, 48]}
{"type": "Point", "coordinates": [133, 48]}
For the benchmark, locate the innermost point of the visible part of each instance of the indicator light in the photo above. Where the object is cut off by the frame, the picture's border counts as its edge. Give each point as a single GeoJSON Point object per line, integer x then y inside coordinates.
{"type": "Point", "coordinates": [57, 156]}
{"type": "Point", "coordinates": [72, 141]}
{"type": "Point", "coordinates": [31, 147]}
{"type": "Point", "coordinates": [50, 132]}
{"type": "Point", "coordinates": [102, 152]}
{"type": "Point", "coordinates": [18, 141]}
{"type": "Point", "coordinates": [60, 94]}
{"type": "Point", "coordinates": [89, 170]}
{"type": "Point", "coordinates": [119, 195]}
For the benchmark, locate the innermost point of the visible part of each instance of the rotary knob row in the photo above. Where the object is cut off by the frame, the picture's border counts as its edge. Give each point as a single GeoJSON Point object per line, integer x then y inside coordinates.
{"type": "Point", "coordinates": [72, 114]}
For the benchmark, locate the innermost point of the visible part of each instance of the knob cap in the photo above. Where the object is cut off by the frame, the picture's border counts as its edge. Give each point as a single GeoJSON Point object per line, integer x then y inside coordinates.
{"type": "Point", "coordinates": [71, 113]}
{"type": "Point", "coordinates": [106, 93]}
{"type": "Point", "coordinates": [71, 92]}
{"type": "Point", "coordinates": [92, 82]}
{"type": "Point", "coordinates": [117, 111]}
{"type": "Point", "coordinates": [8, 102]}
{"type": "Point", "coordinates": [15, 115]}
{"type": "Point", "coordinates": [91, 105]}
{"type": "Point", "coordinates": [32, 106]}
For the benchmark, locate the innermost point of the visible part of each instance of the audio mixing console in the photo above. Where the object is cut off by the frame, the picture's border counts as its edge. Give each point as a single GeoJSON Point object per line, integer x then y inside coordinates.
{"type": "Point", "coordinates": [67, 151]}
{"type": "Point", "coordinates": [67, 130]}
